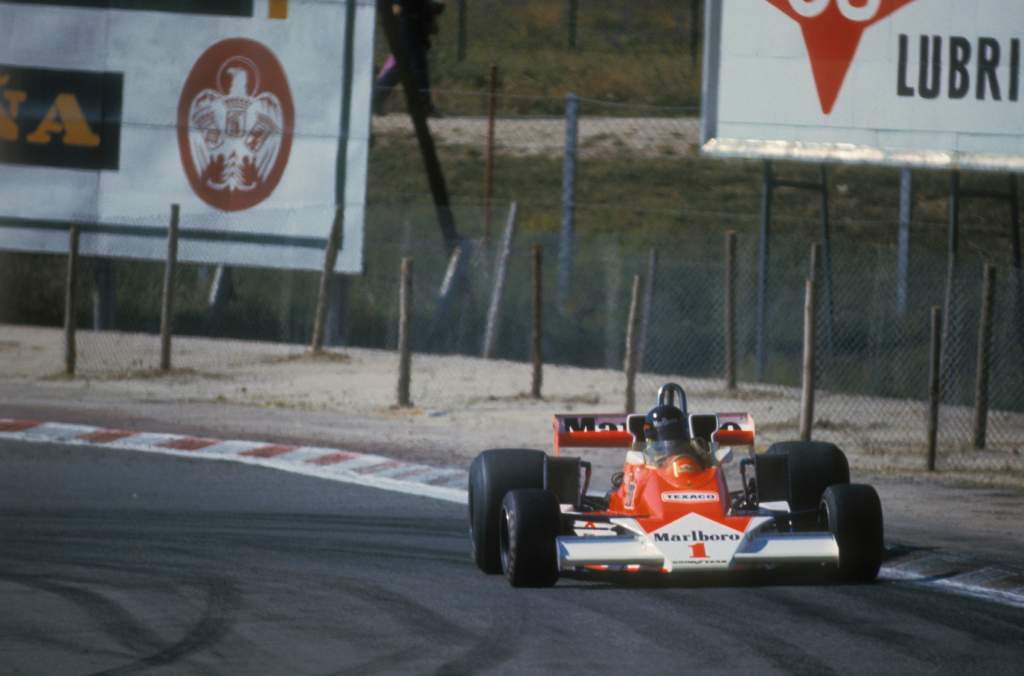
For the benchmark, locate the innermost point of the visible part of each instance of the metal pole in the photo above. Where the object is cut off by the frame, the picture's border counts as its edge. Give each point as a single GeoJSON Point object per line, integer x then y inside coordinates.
{"type": "Point", "coordinates": [768, 186]}
{"type": "Point", "coordinates": [903, 247]}
{"type": "Point", "coordinates": [536, 354]}
{"type": "Point", "coordinates": [167, 304]}
{"type": "Point", "coordinates": [984, 350]}
{"type": "Point", "coordinates": [498, 291]}
{"type": "Point", "coordinates": [461, 50]}
{"type": "Point", "coordinates": [492, 106]}
{"type": "Point", "coordinates": [404, 335]}
{"type": "Point", "coordinates": [629, 365]}
{"type": "Point", "coordinates": [807, 393]}
{"type": "Point", "coordinates": [323, 298]}
{"type": "Point", "coordinates": [826, 251]}
{"type": "Point", "coordinates": [70, 353]}
{"type": "Point", "coordinates": [934, 388]}
{"type": "Point", "coordinates": [568, 199]}
{"type": "Point", "coordinates": [730, 310]}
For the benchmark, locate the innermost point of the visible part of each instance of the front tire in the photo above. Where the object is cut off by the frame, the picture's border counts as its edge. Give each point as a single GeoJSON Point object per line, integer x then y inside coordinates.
{"type": "Point", "coordinates": [812, 466]}
{"type": "Point", "coordinates": [492, 474]}
{"type": "Point", "coordinates": [854, 516]}
{"type": "Point", "coordinates": [527, 531]}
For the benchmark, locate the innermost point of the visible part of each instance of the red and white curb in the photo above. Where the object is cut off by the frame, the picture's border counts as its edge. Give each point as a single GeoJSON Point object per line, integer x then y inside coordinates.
{"type": "Point", "coordinates": [376, 471]}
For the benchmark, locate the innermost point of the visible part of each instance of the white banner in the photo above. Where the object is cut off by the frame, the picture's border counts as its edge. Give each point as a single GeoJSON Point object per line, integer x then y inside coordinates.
{"type": "Point", "coordinates": [928, 83]}
{"type": "Point", "coordinates": [233, 109]}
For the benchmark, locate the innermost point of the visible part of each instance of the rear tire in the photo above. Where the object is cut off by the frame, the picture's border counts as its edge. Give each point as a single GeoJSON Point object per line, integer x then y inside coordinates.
{"type": "Point", "coordinates": [812, 466]}
{"type": "Point", "coordinates": [854, 516]}
{"type": "Point", "coordinates": [492, 474]}
{"type": "Point", "coordinates": [527, 531]}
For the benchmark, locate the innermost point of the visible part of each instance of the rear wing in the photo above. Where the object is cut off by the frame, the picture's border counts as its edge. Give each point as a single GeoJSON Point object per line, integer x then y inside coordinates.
{"type": "Point", "coordinates": [618, 430]}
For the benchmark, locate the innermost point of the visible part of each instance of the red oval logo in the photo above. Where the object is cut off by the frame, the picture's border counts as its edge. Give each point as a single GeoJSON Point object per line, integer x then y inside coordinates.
{"type": "Point", "coordinates": [235, 123]}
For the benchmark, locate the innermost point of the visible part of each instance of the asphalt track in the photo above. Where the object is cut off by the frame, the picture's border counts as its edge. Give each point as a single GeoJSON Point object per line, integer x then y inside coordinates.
{"type": "Point", "coordinates": [116, 562]}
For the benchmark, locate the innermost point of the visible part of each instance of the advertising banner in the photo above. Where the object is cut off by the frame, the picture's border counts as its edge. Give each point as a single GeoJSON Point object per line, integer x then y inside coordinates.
{"type": "Point", "coordinates": [925, 83]}
{"type": "Point", "coordinates": [252, 115]}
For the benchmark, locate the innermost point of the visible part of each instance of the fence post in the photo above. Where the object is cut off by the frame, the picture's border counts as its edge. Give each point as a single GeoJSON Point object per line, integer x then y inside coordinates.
{"type": "Point", "coordinates": [538, 329]}
{"type": "Point", "coordinates": [330, 257]}
{"type": "Point", "coordinates": [104, 295]}
{"type": "Point", "coordinates": [645, 318]}
{"type": "Point", "coordinates": [572, 10]}
{"type": "Point", "coordinates": [903, 248]}
{"type": "Point", "coordinates": [934, 389]}
{"type": "Point", "coordinates": [70, 353]}
{"type": "Point", "coordinates": [984, 350]}
{"type": "Point", "coordinates": [730, 310]}
{"type": "Point", "coordinates": [694, 30]}
{"type": "Point", "coordinates": [404, 314]}
{"type": "Point", "coordinates": [631, 330]}
{"type": "Point", "coordinates": [807, 393]}
{"type": "Point", "coordinates": [492, 106]}
{"type": "Point", "coordinates": [461, 48]}
{"type": "Point", "coordinates": [167, 304]}
{"type": "Point", "coordinates": [572, 106]}
{"type": "Point", "coordinates": [498, 291]}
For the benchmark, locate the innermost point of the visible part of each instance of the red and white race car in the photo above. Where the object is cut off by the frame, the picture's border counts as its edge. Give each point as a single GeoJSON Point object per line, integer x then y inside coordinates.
{"type": "Point", "coordinates": [669, 510]}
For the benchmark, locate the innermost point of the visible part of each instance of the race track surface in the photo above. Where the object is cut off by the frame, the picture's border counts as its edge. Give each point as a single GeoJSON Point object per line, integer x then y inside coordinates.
{"type": "Point", "coordinates": [115, 562]}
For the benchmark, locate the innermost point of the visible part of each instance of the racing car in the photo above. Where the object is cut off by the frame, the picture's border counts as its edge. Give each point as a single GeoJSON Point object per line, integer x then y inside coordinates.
{"type": "Point", "coordinates": [533, 517]}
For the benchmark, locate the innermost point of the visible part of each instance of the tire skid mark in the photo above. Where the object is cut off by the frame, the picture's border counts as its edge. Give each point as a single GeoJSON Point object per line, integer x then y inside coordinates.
{"type": "Point", "coordinates": [114, 620]}
{"type": "Point", "coordinates": [782, 654]}
{"type": "Point", "coordinates": [863, 625]}
{"type": "Point", "coordinates": [222, 599]}
{"type": "Point", "coordinates": [498, 645]}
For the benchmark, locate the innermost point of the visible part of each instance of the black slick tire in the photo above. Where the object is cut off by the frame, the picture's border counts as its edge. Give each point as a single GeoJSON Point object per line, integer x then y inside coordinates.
{"type": "Point", "coordinates": [529, 525]}
{"type": "Point", "coordinates": [812, 466]}
{"type": "Point", "coordinates": [492, 474]}
{"type": "Point", "coordinates": [853, 513]}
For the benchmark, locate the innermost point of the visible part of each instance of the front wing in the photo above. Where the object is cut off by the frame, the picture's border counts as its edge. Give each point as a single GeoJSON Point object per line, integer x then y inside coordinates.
{"type": "Point", "coordinates": [690, 544]}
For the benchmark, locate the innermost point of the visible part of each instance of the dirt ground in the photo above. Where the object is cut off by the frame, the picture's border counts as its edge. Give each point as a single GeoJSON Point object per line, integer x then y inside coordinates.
{"type": "Point", "coordinates": [461, 404]}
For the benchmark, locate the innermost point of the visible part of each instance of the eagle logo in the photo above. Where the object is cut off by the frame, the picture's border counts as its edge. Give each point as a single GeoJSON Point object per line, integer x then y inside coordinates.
{"type": "Point", "coordinates": [235, 124]}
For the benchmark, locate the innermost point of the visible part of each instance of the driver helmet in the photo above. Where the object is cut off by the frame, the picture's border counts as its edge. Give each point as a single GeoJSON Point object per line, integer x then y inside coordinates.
{"type": "Point", "coordinates": [666, 431]}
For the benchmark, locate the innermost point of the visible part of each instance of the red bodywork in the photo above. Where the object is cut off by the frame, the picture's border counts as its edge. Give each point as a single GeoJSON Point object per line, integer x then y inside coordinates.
{"type": "Point", "coordinates": [642, 494]}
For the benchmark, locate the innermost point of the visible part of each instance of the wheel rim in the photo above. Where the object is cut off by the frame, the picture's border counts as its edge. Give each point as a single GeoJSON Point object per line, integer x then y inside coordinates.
{"type": "Point", "coordinates": [504, 529]}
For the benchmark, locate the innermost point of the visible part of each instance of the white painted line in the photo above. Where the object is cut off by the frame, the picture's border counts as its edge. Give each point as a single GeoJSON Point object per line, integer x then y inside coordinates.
{"type": "Point", "coordinates": [229, 448]}
{"type": "Point", "coordinates": [57, 431]}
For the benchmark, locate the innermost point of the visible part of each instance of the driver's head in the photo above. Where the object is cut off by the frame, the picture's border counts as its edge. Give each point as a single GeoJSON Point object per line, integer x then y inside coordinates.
{"type": "Point", "coordinates": [666, 431]}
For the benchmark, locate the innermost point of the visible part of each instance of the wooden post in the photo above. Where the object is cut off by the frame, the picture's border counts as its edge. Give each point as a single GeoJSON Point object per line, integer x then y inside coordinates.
{"type": "Point", "coordinates": [629, 365]}
{"type": "Point", "coordinates": [730, 310]}
{"type": "Point", "coordinates": [645, 313]}
{"type": "Point", "coordinates": [984, 350]}
{"type": "Point", "coordinates": [330, 258]}
{"type": "Point", "coordinates": [460, 53]}
{"type": "Point", "coordinates": [492, 108]}
{"type": "Point", "coordinates": [70, 353]}
{"type": "Point", "coordinates": [498, 292]}
{"type": "Point", "coordinates": [538, 327]}
{"type": "Point", "coordinates": [812, 268]}
{"type": "Point", "coordinates": [404, 347]}
{"type": "Point", "coordinates": [572, 9]}
{"type": "Point", "coordinates": [807, 394]}
{"type": "Point", "coordinates": [167, 304]}
{"type": "Point", "coordinates": [934, 389]}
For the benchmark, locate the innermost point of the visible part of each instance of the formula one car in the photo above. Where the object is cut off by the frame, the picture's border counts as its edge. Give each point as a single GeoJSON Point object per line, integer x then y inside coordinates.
{"type": "Point", "coordinates": [669, 510]}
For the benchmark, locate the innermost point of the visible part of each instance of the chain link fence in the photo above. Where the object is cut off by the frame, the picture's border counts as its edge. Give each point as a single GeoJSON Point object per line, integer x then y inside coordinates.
{"type": "Point", "coordinates": [639, 185]}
